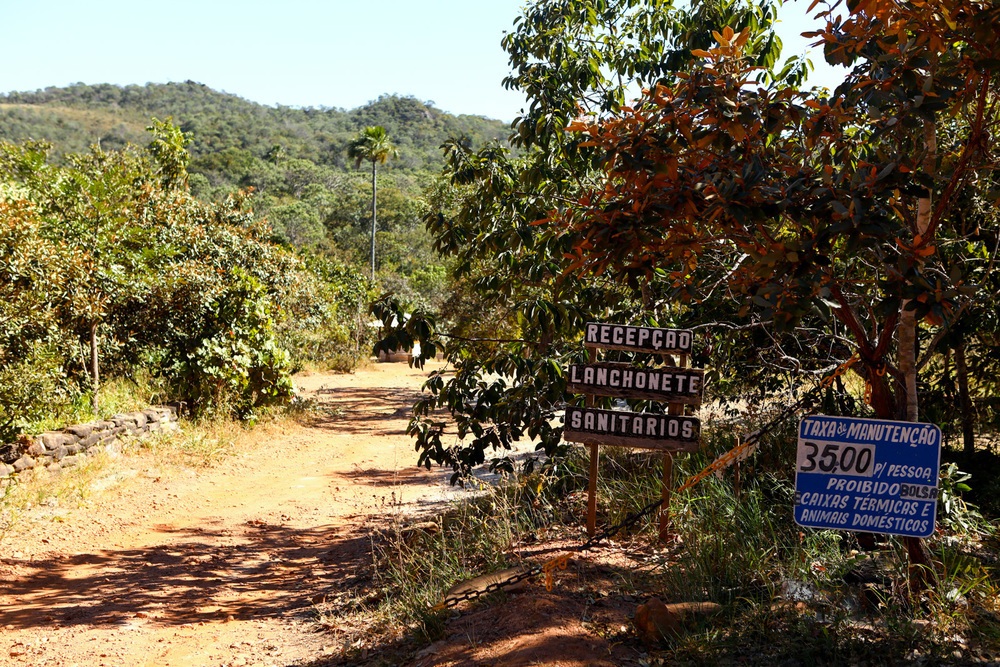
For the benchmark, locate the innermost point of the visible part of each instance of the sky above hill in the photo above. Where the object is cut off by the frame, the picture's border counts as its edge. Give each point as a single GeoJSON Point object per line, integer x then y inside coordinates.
{"type": "Point", "coordinates": [334, 53]}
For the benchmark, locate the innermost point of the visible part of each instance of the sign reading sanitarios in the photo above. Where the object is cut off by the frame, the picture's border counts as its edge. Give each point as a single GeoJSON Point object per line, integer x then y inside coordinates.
{"type": "Point", "coordinates": [868, 475]}
{"type": "Point", "coordinates": [668, 433]}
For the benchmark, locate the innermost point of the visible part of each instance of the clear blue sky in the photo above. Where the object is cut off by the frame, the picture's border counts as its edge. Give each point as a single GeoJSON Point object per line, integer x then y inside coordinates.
{"type": "Point", "coordinates": [336, 53]}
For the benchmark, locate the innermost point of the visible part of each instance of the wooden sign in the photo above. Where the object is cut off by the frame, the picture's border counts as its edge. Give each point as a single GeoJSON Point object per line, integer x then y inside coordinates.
{"type": "Point", "coordinates": [668, 433]}
{"type": "Point", "coordinates": [667, 383]}
{"type": "Point", "coordinates": [678, 386]}
{"type": "Point", "coordinates": [638, 339]}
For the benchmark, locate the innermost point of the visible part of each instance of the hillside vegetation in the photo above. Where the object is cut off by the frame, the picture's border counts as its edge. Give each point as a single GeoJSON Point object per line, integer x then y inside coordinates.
{"type": "Point", "coordinates": [294, 160]}
{"type": "Point", "coordinates": [210, 252]}
{"type": "Point", "coordinates": [76, 116]}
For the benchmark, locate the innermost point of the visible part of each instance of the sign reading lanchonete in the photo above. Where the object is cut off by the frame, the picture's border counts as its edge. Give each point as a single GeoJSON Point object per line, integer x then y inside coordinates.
{"type": "Point", "coordinates": [638, 339]}
{"type": "Point", "coordinates": [868, 475]}
{"type": "Point", "coordinates": [669, 433]}
{"type": "Point", "coordinates": [672, 385]}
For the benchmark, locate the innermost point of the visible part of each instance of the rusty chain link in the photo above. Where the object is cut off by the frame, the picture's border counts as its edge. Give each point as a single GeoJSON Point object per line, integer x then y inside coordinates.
{"type": "Point", "coordinates": [560, 562]}
{"type": "Point", "coordinates": [840, 370]}
{"type": "Point", "coordinates": [549, 567]}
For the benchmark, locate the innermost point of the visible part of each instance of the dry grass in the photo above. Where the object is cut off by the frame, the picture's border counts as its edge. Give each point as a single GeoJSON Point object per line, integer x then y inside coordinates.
{"type": "Point", "coordinates": [738, 548]}
{"type": "Point", "coordinates": [40, 494]}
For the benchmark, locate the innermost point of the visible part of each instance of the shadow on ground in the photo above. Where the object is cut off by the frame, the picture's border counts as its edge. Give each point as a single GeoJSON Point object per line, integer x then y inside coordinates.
{"type": "Point", "coordinates": [363, 410]}
{"type": "Point", "coordinates": [265, 570]}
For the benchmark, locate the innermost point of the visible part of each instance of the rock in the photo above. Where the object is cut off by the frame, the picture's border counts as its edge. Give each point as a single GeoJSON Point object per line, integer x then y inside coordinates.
{"type": "Point", "coordinates": [10, 452]}
{"type": "Point", "coordinates": [6, 470]}
{"type": "Point", "coordinates": [139, 418]}
{"type": "Point", "coordinates": [655, 621]}
{"type": "Point", "coordinates": [53, 439]}
{"type": "Point", "coordinates": [69, 461]}
{"type": "Point", "coordinates": [37, 448]}
{"type": "Point", "coordinates": [481, 583]}
{"type": "Point", "coordinates": [123, 420]}
{"type": "Point", "coordinates": [416, 530]}
{"type": "Point", "coordinates": [24, 463]}
{"type": "Point", "coordinates": [81, 430]}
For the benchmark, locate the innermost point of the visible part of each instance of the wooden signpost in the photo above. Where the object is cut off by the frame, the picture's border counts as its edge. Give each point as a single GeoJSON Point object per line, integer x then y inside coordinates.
{"type": "Point", "coordinates": [675, 385]}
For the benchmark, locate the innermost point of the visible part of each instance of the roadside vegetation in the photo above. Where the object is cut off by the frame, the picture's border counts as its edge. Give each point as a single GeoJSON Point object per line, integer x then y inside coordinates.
{"type": "Point", "coordinates": [112, 269]}
{"type": "Point", "coordinates": [838, 244]}
{"type": "Point", "coordinates": [788, 595]}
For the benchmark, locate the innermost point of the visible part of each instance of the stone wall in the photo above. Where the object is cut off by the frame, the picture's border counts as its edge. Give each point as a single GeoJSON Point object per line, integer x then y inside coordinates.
{"type": "Point", "coordinates": [63, 449]}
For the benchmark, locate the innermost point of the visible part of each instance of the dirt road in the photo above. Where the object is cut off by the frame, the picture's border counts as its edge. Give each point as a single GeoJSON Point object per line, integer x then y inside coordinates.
{"type": "Point", "coordinates": [218, 566]}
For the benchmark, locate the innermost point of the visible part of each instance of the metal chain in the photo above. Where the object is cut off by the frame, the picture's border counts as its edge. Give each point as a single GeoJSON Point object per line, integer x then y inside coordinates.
{"type": "Point", "coordinates": [492, 587]}
{"type": "Point", "coordinates": [559, 562]}
{"type": "Point", "coordinates": [840, 370]}
{"type": "Point", "coordinates": [552, 564]}
{"type": "Point", "coordinates": [734, 454]}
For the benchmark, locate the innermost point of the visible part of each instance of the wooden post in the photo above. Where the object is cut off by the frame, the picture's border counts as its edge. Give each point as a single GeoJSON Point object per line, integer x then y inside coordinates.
{"type": "Point", "coordinates": [592, 492]}
{"type": "Point", "coordinates": [594, 459]}
{"type": "Point", "coordinates": [668, 465]}
{"type": "Point", "coordinates": [668, 486]}
{"type": "Point", "coordinates": [94, 372]}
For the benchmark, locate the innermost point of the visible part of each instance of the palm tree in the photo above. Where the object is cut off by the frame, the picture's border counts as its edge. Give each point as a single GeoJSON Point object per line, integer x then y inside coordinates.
{"type": "Point", "coordinates": [372, 144]}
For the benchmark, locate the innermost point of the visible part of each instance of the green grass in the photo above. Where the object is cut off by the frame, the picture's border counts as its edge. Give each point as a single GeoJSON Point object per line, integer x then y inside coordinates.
{"type": "Point", "coordinates": [739, 548]}
{"type": "Point", "coordinates": [115, 396]}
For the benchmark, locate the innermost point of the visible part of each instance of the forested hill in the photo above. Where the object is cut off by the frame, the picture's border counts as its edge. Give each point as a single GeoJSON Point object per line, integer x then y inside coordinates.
{"type": "Point", "coordinates": [295, 159]}
{"type": "Point", "coordinates": [76, 116]}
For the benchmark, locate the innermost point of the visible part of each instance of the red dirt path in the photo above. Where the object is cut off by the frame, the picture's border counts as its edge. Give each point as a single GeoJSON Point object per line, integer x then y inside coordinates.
{"type": "Point", "coordinates": [216, 566]}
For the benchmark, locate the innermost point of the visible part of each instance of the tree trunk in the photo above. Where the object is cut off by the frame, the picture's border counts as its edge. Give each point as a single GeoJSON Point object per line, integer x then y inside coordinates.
{"type": "Point", "coordinates": [921, 570]}
{"type": "Point", "coordinates": [907, 331]}
{"type": "Point", "coordinates": [906, 337]}
{"type": "Point", "coordinates": [94, 373]}
{"type": "Point", "coordinates": [373, 219]}
{"type": "Point", "coordinates": [882, 400]}
{"type": "Point", "coordinates": [968, 420]}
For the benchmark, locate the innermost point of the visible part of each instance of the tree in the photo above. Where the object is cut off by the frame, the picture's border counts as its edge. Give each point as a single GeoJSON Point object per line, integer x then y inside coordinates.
{"type": "Point", "coordinates": [808, 207]}
{"type": "Point", "coordinates": [798, 202]}
{"type": "Point", "coordinates": [517, 315]}
{"type": "Point", "coordinates": [169, 149]}
{"type": "Point", "coordinates": [34, 273]}
{"type": "Point", "coordinates": [192, 292]}
{"type": "Point", "coordinates": [372, 144]}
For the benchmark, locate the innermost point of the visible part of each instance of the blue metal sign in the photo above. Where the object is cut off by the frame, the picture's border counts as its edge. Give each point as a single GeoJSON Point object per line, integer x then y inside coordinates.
{"type": "Point", "coordinates": [868, 475]}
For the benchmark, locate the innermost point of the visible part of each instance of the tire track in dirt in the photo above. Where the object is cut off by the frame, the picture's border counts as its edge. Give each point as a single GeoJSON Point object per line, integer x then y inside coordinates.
{"type": "Point", "coordinates": [220, 566]}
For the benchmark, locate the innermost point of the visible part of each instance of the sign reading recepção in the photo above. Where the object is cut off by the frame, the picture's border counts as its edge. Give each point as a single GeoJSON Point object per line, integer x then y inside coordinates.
{"type": "Point", "coordinates": [638, 339]}
{"type": "Point", "coordinates": [867, 475]}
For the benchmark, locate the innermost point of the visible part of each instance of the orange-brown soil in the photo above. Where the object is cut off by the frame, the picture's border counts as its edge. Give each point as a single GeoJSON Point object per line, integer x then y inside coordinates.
{"type": "Point", "coordinates": [224, 565]}
{"type": "Point", "coordinates": [218, 565]}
